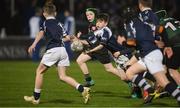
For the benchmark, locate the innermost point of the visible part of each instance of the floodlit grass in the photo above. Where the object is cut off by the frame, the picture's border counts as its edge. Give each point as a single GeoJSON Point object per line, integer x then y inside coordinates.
{"type": "Point", "coordinates": [17, 80]}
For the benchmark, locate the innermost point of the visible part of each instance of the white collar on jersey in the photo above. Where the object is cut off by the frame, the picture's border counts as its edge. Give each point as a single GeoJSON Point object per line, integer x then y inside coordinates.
{"type": "Point", "coordinates": [50, 17]}
{"type": "Point", "coordinates": [146, 8]}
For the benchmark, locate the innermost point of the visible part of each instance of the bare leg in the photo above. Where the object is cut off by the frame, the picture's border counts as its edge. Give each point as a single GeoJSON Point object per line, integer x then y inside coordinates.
{"type": "Point", "coordinates": [65, 78]}
{"type": "Point", "coordinates": [134, 69]}
{"type": "Point", "coordinates": [132, 60]}
{"type": "Point", "coordinates": [81, 60]}
{"type": "Point", "coordinates": [39, 76]}
{"type": "Point", "coordinates": [161, 78]}
{"type": "Point", "coordinates": [69, 80]}
{"type": "Point", "coordinates": [120, 73]}
{"type": "Point", "coordinates": [35, 99]}
{"type": "Point", "coordinates": [175, 75]}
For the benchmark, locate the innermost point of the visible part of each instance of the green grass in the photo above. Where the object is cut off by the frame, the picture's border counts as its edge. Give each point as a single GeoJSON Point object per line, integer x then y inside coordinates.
{"type": "Point", "coordinates": [17, 80]}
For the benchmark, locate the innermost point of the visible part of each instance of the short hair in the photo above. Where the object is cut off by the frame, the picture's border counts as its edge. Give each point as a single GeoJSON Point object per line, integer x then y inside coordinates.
{"type": "Point", "coordinates": [103, 17]}
{"type": "Point", "coordinates": [49, 8]}
{"type": "Point", "coordinates": [146, 3]}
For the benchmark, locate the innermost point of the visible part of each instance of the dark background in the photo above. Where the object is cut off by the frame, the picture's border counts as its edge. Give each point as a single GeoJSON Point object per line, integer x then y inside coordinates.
{"type": "Point", "coordinates": [15, 20]}
{"type": "Point", "coordinates": [15, 15]}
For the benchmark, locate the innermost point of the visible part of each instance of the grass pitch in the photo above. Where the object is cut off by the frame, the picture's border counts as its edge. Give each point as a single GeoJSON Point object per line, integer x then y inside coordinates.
{"type": "Point", "coordinates": [17, 80]}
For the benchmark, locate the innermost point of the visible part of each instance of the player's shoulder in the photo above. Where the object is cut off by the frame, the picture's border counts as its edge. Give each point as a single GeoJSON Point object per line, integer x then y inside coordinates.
{"type": "Point", "coordinates": [146, 14]}
{"type": "Point", "coordinates": [108, 30]}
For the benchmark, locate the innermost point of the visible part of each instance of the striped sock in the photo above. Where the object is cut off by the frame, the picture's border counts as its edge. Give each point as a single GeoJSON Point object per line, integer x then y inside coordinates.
{"type": "Point", "coordinates": [80, 88]}
{"type": "Point", "coordinates": [37, 93]}
{"type": "Point", "coordinates": [142, 83]}
{"type": "Point", "coordinates": [173, 90]}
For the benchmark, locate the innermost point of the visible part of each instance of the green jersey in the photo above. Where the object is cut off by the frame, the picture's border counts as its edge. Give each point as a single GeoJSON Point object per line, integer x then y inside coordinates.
{"type": "Point", "coordinates": [172, 27]}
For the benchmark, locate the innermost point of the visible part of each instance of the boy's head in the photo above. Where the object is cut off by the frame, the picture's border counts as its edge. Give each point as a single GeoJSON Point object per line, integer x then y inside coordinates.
{"type": "Point", "coordinates": [145, 3]}
{"type": "Point", "coordinates": [49, 9]}
{"type": "Point", "coordinates": [102, 20]}
{"type": "Point", "coordinates": [91, 14]}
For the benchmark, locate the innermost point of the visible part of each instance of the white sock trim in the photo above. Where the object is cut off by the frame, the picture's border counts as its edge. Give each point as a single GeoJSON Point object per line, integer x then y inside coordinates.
{"type": "Point", "coordinates": [77, 86]}
{"type": "Point", "coordinates": [37, 90]}
{"type": "Point", "coordinates": [178, 99]}
{"type": "Point", "coordinates": [175, 92]}
{"type": "Point", "coordinates": [141, 82]}
{"type": "Point", "coordinates": [147, 87]}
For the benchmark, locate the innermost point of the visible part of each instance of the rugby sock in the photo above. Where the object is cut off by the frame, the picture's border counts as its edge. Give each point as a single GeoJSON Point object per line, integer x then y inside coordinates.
{"type": "Point", "coordinates": [170, 78]}
{"type": "Point", "coordinates": [87, 77]}
{"type": "Point", "coordinates": [36, 93]}
{"type": "Point", "coordinates": [173, 90]}
{"type": "Point", "coordinates": [142, 83]}
{"type": "Point", "coordinates": [80, 88]}
{"type": "Point", "coordinates": [149, 76]}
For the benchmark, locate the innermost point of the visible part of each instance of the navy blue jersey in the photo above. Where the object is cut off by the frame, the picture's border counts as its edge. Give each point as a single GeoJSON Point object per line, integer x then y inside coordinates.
{"type": "Point", "coordinates": [148, 16]}
{"type": "Point", "coordinates": [54, 32]}
{"type": "Point", "coordinates": [94, 42]}
{"type": "Point", "coordinates": [143, 35]}
{"type": "Point", "coordinates": [109, 41]}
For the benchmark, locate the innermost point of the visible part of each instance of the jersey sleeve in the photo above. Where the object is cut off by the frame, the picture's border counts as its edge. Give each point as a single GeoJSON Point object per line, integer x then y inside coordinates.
{"type": "Point", "coordinates": [42, 26]}
{"type": "Point", "coordinates": [64, 31]}
{"type": "Point", "coordinates": [104, 38]}
{"type": "Point", "coordinates": [91, 38]}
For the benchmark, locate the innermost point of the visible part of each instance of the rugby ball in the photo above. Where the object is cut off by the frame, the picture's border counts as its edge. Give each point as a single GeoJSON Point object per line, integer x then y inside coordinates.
{"type": "Point", "coordinates": [76, 46]}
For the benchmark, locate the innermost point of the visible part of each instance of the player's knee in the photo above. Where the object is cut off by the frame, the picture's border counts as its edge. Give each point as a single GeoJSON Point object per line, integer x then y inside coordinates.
{"type": "Point", "coordinates": [79, 61]}
{"type": "Point", "coordinates": [129, 75]}
{"type": "Point", "coordinates": [124, 78]}
{"type": "Point", "coordinates": [62, 77]}
{"type": "Point", "coordinates": [39, 72]}
{"type": "Point", "coordinates": [109, 69]}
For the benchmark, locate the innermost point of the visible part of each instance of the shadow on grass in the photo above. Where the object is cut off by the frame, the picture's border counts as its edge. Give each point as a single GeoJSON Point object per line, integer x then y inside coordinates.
{"type": "Point", "coordinates": [56, 101]}
{"type": "Point", "coordinates": [109, 94]}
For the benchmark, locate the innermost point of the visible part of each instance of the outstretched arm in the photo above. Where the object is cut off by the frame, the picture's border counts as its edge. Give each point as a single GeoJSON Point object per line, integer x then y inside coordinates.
{"type": "Point", "coordinates": [39, 36]}
{"type": "Point", "coordinates": [95, 49]}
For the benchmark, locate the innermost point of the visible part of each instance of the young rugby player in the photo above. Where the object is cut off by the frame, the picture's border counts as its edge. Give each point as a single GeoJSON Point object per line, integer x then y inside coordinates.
{"type": "Point", "coordinates": [55, 34]}
{"type": "Point", "coordinates": [91, 17]}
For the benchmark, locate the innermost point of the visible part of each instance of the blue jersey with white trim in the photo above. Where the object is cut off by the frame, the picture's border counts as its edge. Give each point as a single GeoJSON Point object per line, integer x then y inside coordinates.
{"type": "Point", "coordinates": [143, 35]}
{"type": "Point", "coordinates": [106, 38]}
{"type": "Point", "coordinates": [54, 32]}
{"type": "Point", "coordinates": [147, 16]}
{"type": "Point", "coordinates": [150, 18]}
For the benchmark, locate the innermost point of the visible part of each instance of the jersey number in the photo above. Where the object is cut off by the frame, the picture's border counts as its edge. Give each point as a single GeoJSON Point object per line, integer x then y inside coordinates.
{"type": "Point", "coordinates": [169, 24]}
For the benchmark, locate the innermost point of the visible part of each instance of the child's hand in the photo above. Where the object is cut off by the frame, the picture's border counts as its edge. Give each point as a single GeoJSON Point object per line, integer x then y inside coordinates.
{"type": "Point", "coordinates": [168, 51]}
{"type": "Point", "coordinates": [116, 54]}
{"type": "Point", "coordinates": [31, 49]}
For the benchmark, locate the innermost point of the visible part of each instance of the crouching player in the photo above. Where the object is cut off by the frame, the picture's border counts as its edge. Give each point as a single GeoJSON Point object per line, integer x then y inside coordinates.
{"type": "Point", "coordinates": [55, 54]}
{"type": "Point", "coordinates": [151, 58]}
